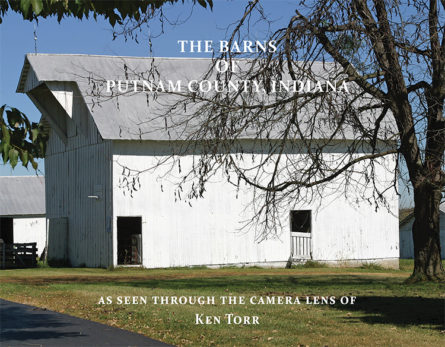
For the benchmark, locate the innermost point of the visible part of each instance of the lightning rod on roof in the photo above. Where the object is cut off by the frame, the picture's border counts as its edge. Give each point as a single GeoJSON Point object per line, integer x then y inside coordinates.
{"type": "Point", "coordinates": [35, 37]}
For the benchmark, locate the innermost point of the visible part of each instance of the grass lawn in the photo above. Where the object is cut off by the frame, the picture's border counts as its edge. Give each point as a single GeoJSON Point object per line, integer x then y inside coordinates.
{"type": "Point", "coordinates": [387, 312]}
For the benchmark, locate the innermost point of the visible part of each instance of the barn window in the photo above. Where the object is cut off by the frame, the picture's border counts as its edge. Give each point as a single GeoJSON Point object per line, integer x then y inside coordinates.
{"type": "Point", "coordinates": [300, 221]}
{"type": "Point", "coordinates": [129, 240]}
{"type": "Point", "coordinates": [6, 230]}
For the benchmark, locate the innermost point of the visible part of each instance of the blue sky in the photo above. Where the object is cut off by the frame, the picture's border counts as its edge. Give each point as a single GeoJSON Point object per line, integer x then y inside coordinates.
{"type": "Point", "coordinates": [95, 37]}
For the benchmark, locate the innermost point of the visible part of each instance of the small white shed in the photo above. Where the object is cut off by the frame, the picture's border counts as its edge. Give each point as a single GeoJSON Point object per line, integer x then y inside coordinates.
{"type": "Point", "coordinates": [22, 210]}
{"type": "Point", "coordinates": [406, 235]}
{"type": "Point", "coordinates": [91, 222]}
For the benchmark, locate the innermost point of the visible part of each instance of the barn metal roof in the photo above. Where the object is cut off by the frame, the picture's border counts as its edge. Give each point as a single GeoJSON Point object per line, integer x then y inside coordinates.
{"type": "Point", "coordinates": [133, 115]}
{"type": "Point", "coordinates": [22, 195]}
{"type": "Point", "coordinates": [410, 216]}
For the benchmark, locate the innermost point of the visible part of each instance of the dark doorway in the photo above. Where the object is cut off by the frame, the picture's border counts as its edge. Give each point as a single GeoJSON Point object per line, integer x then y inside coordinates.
{"type": "Point", "coordinates": [129, 240]}
{"type": "Point", "coordinates": [6, 230]}
{"type": "Point", "coordinates": [300, 221]}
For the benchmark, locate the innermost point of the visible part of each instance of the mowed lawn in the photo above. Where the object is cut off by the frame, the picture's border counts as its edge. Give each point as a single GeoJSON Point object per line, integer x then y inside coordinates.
{"type": "Point", "coordinates": [387, 312]}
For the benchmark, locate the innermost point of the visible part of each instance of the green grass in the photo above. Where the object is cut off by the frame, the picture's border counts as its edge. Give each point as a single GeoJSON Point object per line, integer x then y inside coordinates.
{"type": "Point", "coordinates": [372, 266]}
{"type": "Point", "coordinates": [310, 264]}
{"type": "Point", "coordinates": [388, 312]}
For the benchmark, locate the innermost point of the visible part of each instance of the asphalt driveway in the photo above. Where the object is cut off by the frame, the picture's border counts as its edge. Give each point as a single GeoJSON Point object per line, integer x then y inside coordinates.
{"type": "Point", "coordinates": [23, 325]}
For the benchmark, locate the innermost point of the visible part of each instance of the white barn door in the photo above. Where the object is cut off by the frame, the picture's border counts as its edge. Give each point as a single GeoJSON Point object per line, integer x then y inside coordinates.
{"type": "Point", "coordinates": [301, 234]}
{"type": "Point", "coordinates": [301, 246]}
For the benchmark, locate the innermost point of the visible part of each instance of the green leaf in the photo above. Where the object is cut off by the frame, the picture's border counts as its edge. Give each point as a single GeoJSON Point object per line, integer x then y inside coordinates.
{"type": "Point", "coordinates": [25, 6]}
{"type": "Point", "coordinates": [34, 164]}
{"type": "Point", "coordinates": [19, 138]}
{"type": "Point", "coordinates": [37, 6]}
{"type": "Point", "coordinates": [5, 152]}
{"type": "Point", "coordinates": [13, 157]}
{"type": "Point", "coordinates": [6, 136]}
{"type": "Point", "coordinates": [34, 134]}
{"type": "Point", "coordinates": [24, 157]}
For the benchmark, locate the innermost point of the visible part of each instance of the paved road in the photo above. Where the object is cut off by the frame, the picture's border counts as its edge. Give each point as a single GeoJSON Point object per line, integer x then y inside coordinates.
{"type": "Point", "coordinates": [23, 325]}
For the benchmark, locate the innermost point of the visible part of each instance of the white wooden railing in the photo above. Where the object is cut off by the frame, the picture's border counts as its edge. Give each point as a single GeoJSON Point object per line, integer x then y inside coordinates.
{"type": "Point", "coordinates": [301, 245]}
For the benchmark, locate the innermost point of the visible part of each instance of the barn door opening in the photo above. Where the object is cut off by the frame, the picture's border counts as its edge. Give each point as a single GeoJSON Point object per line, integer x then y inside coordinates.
{"type": "Point", "coordinates": [6, 230]}
{"type": "Point", "coordinates": [129, 240]}
{"type": "Point", "coordinates": [301, 234]}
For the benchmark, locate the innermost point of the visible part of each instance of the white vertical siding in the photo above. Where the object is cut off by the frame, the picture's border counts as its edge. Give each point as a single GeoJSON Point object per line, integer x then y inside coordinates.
{"type": "Point", "coordinates": [72, 176]}
{"type": "Point", "coordinates": [57, 238]}
{"type": "Point", "coordinates": [30, 229]}
{"type": "Point", "coordinates": [350, 227]}
{"type": "Point", "coordinates": [175, 234]}
{"type": "Point", "coordinates": [74, 171]}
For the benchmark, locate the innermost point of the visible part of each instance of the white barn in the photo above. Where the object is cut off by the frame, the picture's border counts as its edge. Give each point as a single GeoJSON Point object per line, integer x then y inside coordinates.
{"type": "Point", "coordinates": [91, 222]}
{"type": "Point", "coordinates": [22, 210]}
{"type": "Point", "coordinates": [406, 234]}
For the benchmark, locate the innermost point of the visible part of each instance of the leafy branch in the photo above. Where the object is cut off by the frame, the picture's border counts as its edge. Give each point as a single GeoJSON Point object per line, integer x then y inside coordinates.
{"type": "Point", "coordinates": [114, 11]}
{"type": "Point", "coordinates": [21, 139]}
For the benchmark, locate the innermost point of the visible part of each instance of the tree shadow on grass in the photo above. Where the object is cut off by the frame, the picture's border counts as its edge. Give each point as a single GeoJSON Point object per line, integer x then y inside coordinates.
{"type": "Point", "coordinates": [400, 311]}
{"type": "Point", "coordinates": [260, 282]}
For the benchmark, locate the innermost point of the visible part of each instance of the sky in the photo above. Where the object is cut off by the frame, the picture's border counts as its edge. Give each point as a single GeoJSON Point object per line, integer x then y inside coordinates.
{"type": "Point", "coordinates": [95, 37]}
{"type": "Point", "coordinates": [73, 36]}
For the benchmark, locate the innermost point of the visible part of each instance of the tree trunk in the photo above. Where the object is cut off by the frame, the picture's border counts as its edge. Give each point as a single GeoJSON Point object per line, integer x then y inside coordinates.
{"type": "Point", "coordinates": [426, 235]}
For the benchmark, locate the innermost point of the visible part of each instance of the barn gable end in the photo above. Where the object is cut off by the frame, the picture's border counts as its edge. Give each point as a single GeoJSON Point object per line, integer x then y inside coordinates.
{"type": "Point", "coordinates": [77, 167]}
